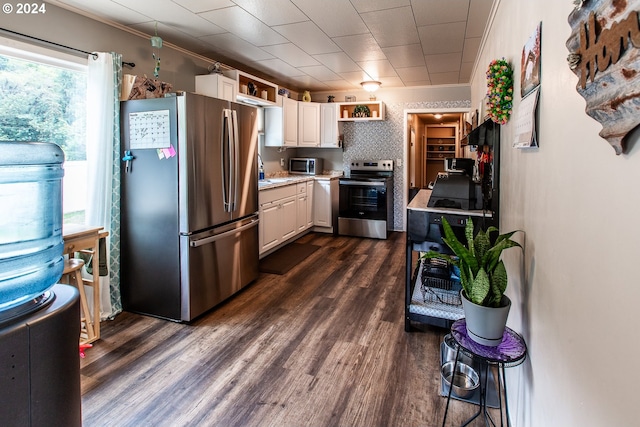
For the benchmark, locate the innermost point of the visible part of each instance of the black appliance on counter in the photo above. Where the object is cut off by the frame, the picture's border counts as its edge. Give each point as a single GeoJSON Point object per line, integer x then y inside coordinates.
{"type": "Point", "coordinates": [366, 199]}
{"type": "Point", "coordinates": [463, 188]}
{"type": "Point", "coordinates": [455, 190]}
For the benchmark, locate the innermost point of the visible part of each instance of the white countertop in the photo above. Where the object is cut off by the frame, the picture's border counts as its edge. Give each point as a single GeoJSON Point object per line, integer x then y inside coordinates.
{"type": "Point", "coordinates": [282, 180]}
{"type": "Point", "coordinates": [420, 201]}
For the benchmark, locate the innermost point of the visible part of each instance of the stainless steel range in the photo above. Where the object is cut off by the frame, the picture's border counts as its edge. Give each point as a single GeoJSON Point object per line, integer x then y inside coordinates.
{"type": "Point", "coordinates": [366, 199]}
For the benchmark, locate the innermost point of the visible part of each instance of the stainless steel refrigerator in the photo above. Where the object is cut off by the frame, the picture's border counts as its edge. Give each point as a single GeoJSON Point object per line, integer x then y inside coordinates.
{"type": "Point", "coordinates": [189, 204]}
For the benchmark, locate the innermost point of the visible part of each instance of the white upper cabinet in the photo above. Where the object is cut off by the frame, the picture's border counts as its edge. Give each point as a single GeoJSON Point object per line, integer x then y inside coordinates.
{"type": "Point", "coordinates": [281, 124]}
{"type": "Point", "coordinates": [290, 111]}
{"type": "Point", "coordinates": [308, 124]}
{"type": "Point", "coordinates": [217, 86]}
{"type": "Point", "coordinates": [330, 134]}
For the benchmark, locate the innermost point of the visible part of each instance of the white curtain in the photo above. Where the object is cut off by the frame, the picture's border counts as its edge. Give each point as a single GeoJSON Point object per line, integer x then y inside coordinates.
{"type": "Point", "coordinates": [103, 147]}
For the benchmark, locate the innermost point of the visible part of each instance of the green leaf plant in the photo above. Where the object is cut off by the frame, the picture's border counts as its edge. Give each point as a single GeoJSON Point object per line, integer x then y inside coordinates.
{"type": "Point", "coordinates": [482, 273]}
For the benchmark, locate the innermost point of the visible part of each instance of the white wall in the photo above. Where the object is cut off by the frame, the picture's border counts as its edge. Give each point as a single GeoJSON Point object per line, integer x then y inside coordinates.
{"type": "Point", "coordinates": [575, 290]}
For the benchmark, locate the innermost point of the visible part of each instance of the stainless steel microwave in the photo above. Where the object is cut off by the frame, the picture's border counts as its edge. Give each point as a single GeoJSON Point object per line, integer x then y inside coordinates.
{"type": "Point", "coordinates": [305, 166]}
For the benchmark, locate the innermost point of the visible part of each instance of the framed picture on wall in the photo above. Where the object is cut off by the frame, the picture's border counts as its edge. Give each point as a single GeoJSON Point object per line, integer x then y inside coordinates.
{"type": "Point", "coordinates": [530, 63]}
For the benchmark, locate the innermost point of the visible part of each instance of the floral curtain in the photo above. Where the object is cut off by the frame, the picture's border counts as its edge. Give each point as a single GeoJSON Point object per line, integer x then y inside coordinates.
{"type": "Point", "coordinates": [104, 79]}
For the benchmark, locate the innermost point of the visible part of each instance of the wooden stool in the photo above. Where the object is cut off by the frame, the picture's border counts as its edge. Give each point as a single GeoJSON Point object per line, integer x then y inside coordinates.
{"type": "Point", "coordinates": [72, 269]}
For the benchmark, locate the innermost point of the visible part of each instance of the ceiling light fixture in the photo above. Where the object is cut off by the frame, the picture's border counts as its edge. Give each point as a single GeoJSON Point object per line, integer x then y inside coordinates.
{"type": "Point", "coordinates": [437, 116]}
{"type": "Point", "coordinates": [371, 86]}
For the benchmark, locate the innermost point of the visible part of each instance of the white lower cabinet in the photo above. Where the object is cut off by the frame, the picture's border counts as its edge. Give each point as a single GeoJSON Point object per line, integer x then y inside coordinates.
{"type": "Point", "coordinates": [301, 210]}
{"type": "Point", "coordinates": [325, 205]}
{"type": "Point", "coordinates": [284, 212]}
{"type": "Point", "coordinates": [278, 216]}
{"type": "Point", "coordinates": [310, 186]}
{"type": "Point", "coordinates": [288, 218]}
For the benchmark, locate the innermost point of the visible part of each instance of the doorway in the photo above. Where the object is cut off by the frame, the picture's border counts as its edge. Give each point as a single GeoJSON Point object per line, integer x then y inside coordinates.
{"type": "Point", "coordinates": [431, 136]}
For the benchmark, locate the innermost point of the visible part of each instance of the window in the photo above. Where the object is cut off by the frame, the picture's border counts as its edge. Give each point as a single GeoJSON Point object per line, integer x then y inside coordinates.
{"type": "Point", "coordinates": [42, 99]}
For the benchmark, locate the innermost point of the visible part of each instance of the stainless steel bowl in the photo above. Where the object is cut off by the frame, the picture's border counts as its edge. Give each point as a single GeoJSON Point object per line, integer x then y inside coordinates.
{"type": "Point", "coordinates": [465, 381]}
{"type": "Point", "coordinates": [449, 352]}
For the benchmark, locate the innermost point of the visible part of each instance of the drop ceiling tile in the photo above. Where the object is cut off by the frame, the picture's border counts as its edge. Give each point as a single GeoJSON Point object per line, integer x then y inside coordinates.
{"type": "Point", "coordinates": [244, 25]}
{"type": "Point", "coordinates": [479, 10]}
{"type": "Point", "coordinates": [338, 62]}
{"type": "Point", "coordinates": [378, 69]}
{"type": "Point", "coordinates": [320, 72]}
{"type": "Point", "coordinates": [340, 85]}
{"type": "Point", "coordinates": [444, 78]}
{"type": "Point", "coordinates": [115, 11]}
{"type": "Point", "coordinates": [334, 17]}
{"type": "Point", "coordinates": [291, 54]}
{"type": "Point", "coordinates": [442, 38]}
{"type": "Point", "coordinates": [413, 74]}
{"type": "Point", "coordinates": [392, 27]}
{"type": "Point", "coordinates": [389, 82]}
{"type": "Point", "coordinates": [171, 14]}
{"type": "Point", "coordinates": [405, 56]}
{"type": "Point", "coordinates": [470, 51]}
{"type": "Point", "coordinates": [235, 46]}
{"type": "Point", "coordinates": [429, 12]}
{"type": "Point", "coordinates": [362, 47]}
{"type": "Point", "coordinates": [308, 37]}
{"type": "Point", "coordinates": [197, 6]}
{"type": "Point", "coordinates": [443, 63]}
{"type": "Point", "coordinates": [419, 83]}
{"type": "Point", "coordinates": [309, 83]}
{"type": "Point", "coordinates": [278, 66]}
{"type": "Point", "coordinates": [175, 36]}
{"type": "Point", "coordinates": [465, 72]}
{"type": "Point", "coordinates": [371, 5]}
{"type": "Point", "coordinates": [273, 12]}
{"type": "Point", "coordinates": [355, 77]}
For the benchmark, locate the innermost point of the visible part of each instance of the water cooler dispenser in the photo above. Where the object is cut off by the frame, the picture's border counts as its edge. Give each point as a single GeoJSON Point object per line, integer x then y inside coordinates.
{"type": "Point", "coordinates": [39, 319]}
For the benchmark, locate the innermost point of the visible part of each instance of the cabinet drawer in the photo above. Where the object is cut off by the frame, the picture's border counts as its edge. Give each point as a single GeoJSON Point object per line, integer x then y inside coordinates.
{"type": "Point", "coordinates": [267, 196]}
{"type": "Point", "coordinates": [301, 187]}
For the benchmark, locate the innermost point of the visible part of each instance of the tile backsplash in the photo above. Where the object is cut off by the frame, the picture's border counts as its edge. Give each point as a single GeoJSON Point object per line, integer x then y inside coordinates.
{"type": "Point", "coordinates": [380, 140]}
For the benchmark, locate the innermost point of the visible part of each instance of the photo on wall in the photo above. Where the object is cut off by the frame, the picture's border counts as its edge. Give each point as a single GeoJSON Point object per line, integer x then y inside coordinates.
{"type": "Point", "coordinates": [530, 63]}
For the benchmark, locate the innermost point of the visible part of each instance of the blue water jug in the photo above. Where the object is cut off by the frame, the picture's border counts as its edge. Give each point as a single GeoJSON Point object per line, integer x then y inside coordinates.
{"type": "Point", "coordinates": [31, 243]}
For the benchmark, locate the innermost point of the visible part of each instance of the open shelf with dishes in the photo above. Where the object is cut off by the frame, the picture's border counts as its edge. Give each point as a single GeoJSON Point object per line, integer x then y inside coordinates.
{"type": "Point", "coordinates": [360, 111]}
{"type": "Point", "coordinates": [254, 90]}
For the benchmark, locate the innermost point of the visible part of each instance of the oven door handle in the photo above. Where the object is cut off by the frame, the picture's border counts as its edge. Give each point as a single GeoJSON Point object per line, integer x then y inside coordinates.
{"type": "Point", "coordinates": [363, 183]}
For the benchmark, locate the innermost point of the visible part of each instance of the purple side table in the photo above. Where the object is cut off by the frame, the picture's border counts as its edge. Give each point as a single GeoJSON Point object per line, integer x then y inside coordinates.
{"type": "Point", "coordinates": [512, 351]}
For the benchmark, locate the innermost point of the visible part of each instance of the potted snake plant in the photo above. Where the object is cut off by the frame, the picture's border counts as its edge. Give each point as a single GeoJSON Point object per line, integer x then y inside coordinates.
{"type": "Point", "coordinates": [483, 277]}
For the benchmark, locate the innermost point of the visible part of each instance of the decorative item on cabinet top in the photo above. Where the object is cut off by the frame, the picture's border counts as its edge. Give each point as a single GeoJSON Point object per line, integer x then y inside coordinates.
{"type": "Point", "coordinates": [361, 111]}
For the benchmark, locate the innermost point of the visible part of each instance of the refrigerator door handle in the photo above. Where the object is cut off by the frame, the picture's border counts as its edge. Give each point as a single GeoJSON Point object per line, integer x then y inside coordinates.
{"type": "Point", "coordinates": [211, 239]}
{"type": "Point", "coordinates": [235, 159]}
{"type": "Point", "coordinates": [225, 147]}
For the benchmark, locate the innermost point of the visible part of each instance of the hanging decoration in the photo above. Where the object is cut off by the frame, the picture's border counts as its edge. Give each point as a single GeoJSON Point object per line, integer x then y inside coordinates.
{"type": "Point", "coordinates": [604, 48]}
{"type": "Point", "coordinates": [499, 90]}
{"type": "Point", "coordinates": [156, 42]}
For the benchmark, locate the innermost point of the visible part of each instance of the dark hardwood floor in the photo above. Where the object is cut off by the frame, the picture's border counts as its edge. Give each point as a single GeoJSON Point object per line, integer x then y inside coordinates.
{"type": "Point", "coordinates": [323, 345]}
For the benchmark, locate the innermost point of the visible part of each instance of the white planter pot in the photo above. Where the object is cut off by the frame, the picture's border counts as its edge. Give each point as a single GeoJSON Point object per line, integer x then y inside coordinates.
{"type": "Point", "coordinates": [485, 325]}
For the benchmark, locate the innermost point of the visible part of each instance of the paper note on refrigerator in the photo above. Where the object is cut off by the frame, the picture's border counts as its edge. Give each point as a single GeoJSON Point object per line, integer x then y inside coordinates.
{"type": "Point", "coordinates": [149, 129]}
